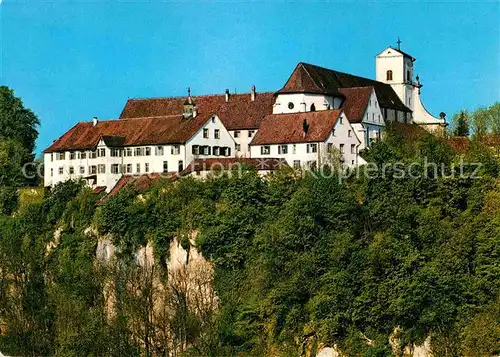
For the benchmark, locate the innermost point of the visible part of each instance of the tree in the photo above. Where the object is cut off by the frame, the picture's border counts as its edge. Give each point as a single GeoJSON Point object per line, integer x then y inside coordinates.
{"type": "Point", "coordinates": [486, 120]}
{"type": "Point", "coordinates": [461, 123]}
{"type": "Point", "coordinates": [16, 122]}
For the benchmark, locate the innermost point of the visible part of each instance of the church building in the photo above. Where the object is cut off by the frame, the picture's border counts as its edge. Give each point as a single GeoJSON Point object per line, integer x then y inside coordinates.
{"type": "Point", "coordinates": [316, 112]}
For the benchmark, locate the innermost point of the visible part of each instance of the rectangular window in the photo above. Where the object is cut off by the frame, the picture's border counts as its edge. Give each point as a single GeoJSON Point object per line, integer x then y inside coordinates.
{"type": "Point", "coordinates": [137, 168]}
{"type": "Point", "coordinates": [205, 133]}
{"type": "Point", "coordinates": [61, 170]}
{"type": "Point", "coordinates": [334, 133]}
{"type": "Point", "coordinates": [294, 149]}
{"type": "Point", "coordinates": [146, 167]}
{"type": "Point", "coordinates": [51, 172]}
{"type": "Point", "coordinates": [216, 150]}
{"type": "Point", "coordinates": [51, 157]}
{"type": "Point", "coordinates": [72, 155]}
{"type": "Point", "coordinates": [265, 150]}
{"type": "Point", "coordinates": [60, 156]}
{"type": "Point", "coordinates": [329, 147]}
{"type": "Point", "coordinates": [93, 169]}
{"type": "Point", "coordinates": [340, 120]}
{"type": "Point", "coordinates": [349, 133]}
{"type": "Point", "coordinates": [159, 151]}
{"type": "Point", "coordinates": [128, 168]}
{"type": "Point", "coordinates": [236, 133]}
{"type": "Point", "coordinates": [207, 150]}
{"type": "Point", "coordinates": [115, 168]}
{"type": "Point", "coordinates": [196, 150]}
{"type": "Point", "coordinates": [216, 134]}
{"type": "Point", "coordinates": [165, 166]}
{"type": "Point", "coordinates": [238, 147]}
{"type": "Point", "coordinates": [312, 148]}
{"type": "Point", "coordinates": [353, 149]}
{"type": "Point", "coordinates": [342, 148]}
{"type": "Point", "coordinates": [180, 165]}
{"type": "Point", "coordinates": [250, 133]}
{"type": "Point", "coordinates": [83, 155]}
{"type": "Point", "coordinates": [148, 151]}
{"type": "Point", "coordinates": [283, 149]}
{"type": "Point", "coordinates": [227, 151]}
{"type": "Point", "coordinates": [101, 152]}
{"type": "Point", "coordinates": [139, 152]}
{"type": "Point", "coordinates": [71, 170]}
{"type": "Point", "coordinates": [128, 152]}
{"type": "Point", "coordinates": [373, 116]}
{"type": "Point", "coordinates": [115, 152]}
{"type": "Point", "coordinates": [93, 154]}
{"type": "Point", "coordinates": [176, 150]}
{"type": "Point", "coordinates": [311, 164]}
{"type": "Point", "coordinates": [82, 170]}
{"type": "Point", "coordinates": [101, 169]}
{"type": "Point", "coordinates": [296, 164]}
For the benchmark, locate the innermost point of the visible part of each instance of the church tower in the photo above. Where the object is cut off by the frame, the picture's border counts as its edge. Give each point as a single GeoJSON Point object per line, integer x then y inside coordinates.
{"type": "Point", "coordinates": [395, 67]}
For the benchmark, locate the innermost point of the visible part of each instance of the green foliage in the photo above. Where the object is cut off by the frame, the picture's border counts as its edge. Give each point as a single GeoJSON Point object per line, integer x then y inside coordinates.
{"type": "Point", "coordinates": [299, 261]}
{"type": "Point", "coordinates": [460, 122]}
{"type": "Point", "coordinates": [9, 199]}
{"type": "Point", "coordinates": [486, 120]}
{"type": "Point", "coordinates": [16, 122]}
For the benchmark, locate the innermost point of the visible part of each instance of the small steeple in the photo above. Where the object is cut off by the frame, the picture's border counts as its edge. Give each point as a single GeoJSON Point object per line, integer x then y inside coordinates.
{"type": "Point", "coordinates": [190, 109]}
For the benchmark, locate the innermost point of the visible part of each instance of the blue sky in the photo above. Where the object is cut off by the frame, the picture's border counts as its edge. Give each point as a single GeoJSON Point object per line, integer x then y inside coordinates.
{"type": "Point", "coordinates": [72, 60]}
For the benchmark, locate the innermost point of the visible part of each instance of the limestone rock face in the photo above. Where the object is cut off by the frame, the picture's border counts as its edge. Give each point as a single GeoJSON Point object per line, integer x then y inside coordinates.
{"type": "Point", "coordinates": [328, 352]}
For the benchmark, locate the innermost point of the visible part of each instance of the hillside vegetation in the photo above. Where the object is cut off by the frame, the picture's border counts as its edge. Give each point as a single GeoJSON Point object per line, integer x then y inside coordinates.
{"type": "Point", "coordinates": [301, 260]}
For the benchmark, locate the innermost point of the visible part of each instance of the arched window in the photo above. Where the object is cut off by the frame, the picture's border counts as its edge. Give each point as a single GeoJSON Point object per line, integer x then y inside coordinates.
{"type": "Point", "coordinates": [313, 108]}
{"type": "Point", "coordinates": [389, 75]}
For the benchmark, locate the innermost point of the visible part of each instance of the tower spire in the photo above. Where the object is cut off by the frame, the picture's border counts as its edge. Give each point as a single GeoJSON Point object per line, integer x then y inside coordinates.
{"type": "Point", "coordinates": [399, 43]}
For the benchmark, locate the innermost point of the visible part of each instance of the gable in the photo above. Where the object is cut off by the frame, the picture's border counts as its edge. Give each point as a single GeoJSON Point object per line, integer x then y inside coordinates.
{"type": "Point", "coordinates": [329, 82]}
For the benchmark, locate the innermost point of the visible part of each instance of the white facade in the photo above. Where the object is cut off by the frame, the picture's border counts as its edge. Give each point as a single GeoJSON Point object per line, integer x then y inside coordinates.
{"type": "Point", "coordinates": [242, 138]}
{"type": "Point", "coordinates": [302, 102]}
{"type": "Point", "coordinates": [372, 125]}
{"type": "Point", "coordinates": [309, 154]}
{"type": "Point", "coordinates": [396, 69]}
{"type": "Point", "coordinates": [107, 164]}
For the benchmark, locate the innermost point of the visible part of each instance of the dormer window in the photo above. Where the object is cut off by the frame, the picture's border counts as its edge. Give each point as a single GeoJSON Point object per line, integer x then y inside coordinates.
{"type": "Point", "coordinates": [389, 75]}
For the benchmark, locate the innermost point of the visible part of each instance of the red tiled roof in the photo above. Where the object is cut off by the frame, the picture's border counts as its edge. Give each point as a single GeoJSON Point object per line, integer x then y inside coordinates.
{"type": "Point", "coordinates": [356, 102]}
{"type": "Point", "coordinates": [236, 114]}
{"type": "Point", "coordinates": [147, 131]}
{"type": "Point", "coordinates": [140, 182]}
{"type": "Point", "coordinates": [99, 189]}
{"type": "Point", "coordinates": [301, 81]}
{"type": "Point", "coordinates": [215, 164]}
{"type": "Point", "coordinates": [308, 78]}
{"type": "Point", "coordinates": [288, 128]}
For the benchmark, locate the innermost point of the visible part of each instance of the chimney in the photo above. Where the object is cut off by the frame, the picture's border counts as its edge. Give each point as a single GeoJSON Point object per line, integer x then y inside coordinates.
{"type": "Point", "coordinates": [305, 128]}
{"type": "Point", "coordinates": [94, 121]}
{"type": "Point", "coordinates": [252, 94]}
{"type": "Point", "coordinates": [227, 95]}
